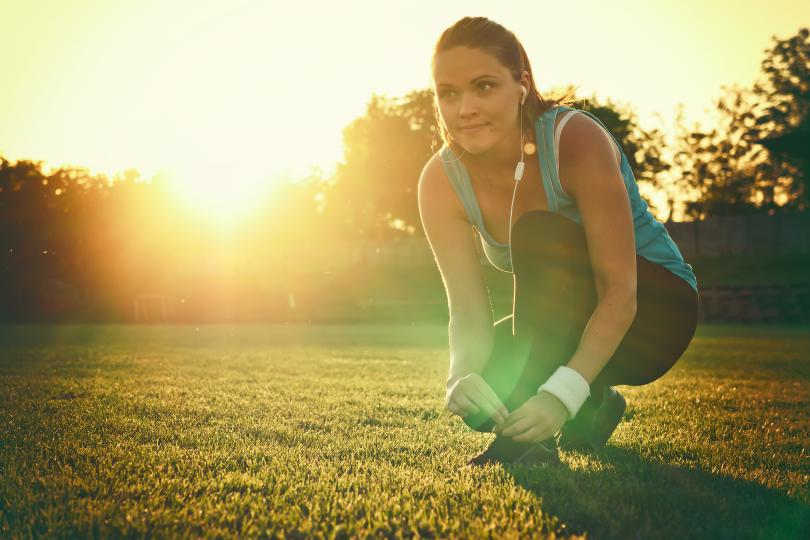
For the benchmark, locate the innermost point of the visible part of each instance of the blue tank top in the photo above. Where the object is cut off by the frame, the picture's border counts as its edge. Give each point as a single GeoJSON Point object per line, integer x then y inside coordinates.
{"type": "Point", "coordinates": [652, 239]}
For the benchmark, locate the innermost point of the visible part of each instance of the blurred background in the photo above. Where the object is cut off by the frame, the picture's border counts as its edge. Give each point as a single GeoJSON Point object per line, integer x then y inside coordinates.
{"type": "Point", "coordinates": [247, 161]}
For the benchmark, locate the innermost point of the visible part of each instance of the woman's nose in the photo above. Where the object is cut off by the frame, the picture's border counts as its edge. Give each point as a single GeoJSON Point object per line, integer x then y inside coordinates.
{"type": "Point", "coordinates": [467, 106]}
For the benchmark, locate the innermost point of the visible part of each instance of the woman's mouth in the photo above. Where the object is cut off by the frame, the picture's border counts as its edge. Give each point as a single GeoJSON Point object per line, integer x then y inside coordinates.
{"type": "Point", "coordinates": [473, 129]}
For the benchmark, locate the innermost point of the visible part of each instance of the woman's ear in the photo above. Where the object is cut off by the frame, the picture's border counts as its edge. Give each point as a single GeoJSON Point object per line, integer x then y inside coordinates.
{"type": "Point", "coordinates": [525, 80]}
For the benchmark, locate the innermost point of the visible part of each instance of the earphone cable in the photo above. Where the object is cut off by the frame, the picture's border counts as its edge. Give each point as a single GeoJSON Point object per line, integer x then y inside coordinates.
{"type": "Point", "coordinates": [514, 192]}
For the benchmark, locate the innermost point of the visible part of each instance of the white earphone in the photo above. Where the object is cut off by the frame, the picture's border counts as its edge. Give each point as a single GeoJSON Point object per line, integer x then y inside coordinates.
{"type": "Point", "coordinates": [518, 173]}
{"type": "Point", "coordinates": [521, 165]}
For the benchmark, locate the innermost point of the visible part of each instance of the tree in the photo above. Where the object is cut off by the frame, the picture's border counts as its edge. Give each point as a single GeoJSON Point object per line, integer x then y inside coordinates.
{"type": "Point", "coordinates": [723, 167]}
{"type": "Point", "coordinates": [373, 195]}
{"type": "Point", "coordinates": [41, 232]}
{"type": "Point", "coordinates": [785, 92]}
{"type": "Point", "coordinates": [727, 170]}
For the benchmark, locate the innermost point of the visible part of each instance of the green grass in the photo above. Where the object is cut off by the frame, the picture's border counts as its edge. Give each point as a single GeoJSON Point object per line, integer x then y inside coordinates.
{"type": "Point", "coordinates": [336, 432]}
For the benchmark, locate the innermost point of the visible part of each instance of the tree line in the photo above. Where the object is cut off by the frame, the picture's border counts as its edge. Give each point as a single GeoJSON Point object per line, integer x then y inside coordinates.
{"type": "Point", "coordinates": [68, 237]}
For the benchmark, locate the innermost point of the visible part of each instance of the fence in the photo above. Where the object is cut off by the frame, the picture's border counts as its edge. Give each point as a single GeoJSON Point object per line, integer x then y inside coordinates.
{"type": "Point", "coordinates": [756, 303]}
{"type": "Point", "coordinates": [718, 236]}
{"type": "Point", "coordinates": [715, 237]}
{"type": "Point", "coordinates": [746, 234]}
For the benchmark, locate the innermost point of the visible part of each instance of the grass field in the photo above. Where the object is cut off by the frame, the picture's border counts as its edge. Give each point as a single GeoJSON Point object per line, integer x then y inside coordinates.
{"type": "Point", "coordinates": [334, 432]}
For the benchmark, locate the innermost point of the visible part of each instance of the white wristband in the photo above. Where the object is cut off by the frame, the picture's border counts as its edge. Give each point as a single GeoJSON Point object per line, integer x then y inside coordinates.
{"type": "Point", "coordinates": [568, 386]}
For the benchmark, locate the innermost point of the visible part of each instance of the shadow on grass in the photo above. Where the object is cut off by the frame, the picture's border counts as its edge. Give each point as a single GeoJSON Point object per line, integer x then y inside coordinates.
{"type": "Point", "coordinates": [621, 495]}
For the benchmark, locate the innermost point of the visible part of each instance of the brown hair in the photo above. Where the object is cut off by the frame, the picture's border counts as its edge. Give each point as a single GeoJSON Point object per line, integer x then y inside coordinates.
{"type": "Point", "coordinates": [489, 36]}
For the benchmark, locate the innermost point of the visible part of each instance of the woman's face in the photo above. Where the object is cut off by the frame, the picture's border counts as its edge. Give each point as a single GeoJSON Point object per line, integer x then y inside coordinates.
{"type": "Point", "coordinates": [474, 89]}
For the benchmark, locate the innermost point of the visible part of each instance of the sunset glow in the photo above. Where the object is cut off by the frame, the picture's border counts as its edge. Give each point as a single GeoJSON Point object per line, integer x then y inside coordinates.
{"type": "Point", "coordinates": [244, 91]}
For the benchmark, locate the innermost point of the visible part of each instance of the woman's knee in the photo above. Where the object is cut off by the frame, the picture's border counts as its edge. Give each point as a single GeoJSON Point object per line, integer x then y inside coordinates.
{"type": "Point", "coordinates": [645, 357]}
{"type": "Point", "coordinates": [664, 325]}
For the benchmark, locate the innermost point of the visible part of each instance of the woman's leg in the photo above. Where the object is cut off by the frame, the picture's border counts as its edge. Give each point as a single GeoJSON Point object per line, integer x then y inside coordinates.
{"type": "Point", "coordinates": [554, 297]}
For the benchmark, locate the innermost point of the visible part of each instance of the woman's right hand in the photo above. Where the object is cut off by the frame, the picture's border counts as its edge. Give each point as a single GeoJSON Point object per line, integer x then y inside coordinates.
{"type": "Point", "coordinates": [471, 394]}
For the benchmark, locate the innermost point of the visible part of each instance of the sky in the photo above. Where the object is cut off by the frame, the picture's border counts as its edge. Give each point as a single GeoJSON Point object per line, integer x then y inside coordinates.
{"type": "Point", "coordinates": [262, 89]}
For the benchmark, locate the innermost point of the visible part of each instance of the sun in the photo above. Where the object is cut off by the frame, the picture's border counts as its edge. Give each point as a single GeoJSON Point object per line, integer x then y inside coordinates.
{"type": "Point", "coordinates": [224, 193]}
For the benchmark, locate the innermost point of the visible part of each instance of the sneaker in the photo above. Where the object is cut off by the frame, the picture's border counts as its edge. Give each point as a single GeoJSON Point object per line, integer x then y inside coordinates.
{"type": "Point", "coordinates": [490, 455]}
{"type": "Point", "coordinates": [591, 428]}
{"type": "Point", "coordinates": [541, 453]}
{"type": "Point", "coordinates": [505, 450]}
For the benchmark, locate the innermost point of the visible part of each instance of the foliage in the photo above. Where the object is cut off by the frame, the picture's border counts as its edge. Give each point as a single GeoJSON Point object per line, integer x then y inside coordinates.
{"type": "Point", "coordinates": [723, 168]}
{"type": "Point", "coordinates": [82, 247]}
{"type": "Point", "coordinates": [726, 170]}
{"type": "Point", "coordinates": [374, 194]}
{"type": "Point", "coordinates": [785, 85]}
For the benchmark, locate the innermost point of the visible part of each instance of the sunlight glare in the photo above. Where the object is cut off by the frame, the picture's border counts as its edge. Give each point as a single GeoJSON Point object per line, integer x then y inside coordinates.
{"type": "Point", "coordinates": [226, 193]}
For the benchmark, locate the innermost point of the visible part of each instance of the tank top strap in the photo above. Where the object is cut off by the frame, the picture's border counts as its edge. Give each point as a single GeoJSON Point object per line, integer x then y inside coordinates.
{"type": "Point", "coordinates": [557, 132]}
{"type": "Point", "coordinates": [544, 135]}
{"type": "Point", "coordinates": [548, 150]}
{"type": "Point", "coordinates": [607, 131]}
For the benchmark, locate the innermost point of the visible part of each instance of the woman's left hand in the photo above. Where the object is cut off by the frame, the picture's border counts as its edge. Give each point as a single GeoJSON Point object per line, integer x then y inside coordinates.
{"type": "Point", "coordinates": [541, 417]}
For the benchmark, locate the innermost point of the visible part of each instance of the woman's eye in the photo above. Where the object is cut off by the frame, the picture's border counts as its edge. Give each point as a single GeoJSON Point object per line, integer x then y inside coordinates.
{"type": "Point", "coordinates": [485, 85]}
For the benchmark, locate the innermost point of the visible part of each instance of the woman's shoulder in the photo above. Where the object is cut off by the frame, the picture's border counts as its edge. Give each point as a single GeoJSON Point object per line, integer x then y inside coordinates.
{"type": "Point", "coordinates": [434, 167]}
{"type": "Point", "coordinates": [441, 166]}
{"type": "Point", "coordinates": [583, 136]}
{"type": "Point", "coordinates": [434, 180]}
{"type": "Point", "coordinates": [435, 184]}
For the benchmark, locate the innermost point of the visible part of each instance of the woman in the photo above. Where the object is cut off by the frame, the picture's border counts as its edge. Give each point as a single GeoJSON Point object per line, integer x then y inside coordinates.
{"type": "Point", "coordinates": [602, 296]}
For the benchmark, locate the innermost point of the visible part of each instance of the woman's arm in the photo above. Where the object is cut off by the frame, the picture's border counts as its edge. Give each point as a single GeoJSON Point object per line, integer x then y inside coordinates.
{"type": "Point", "coordinates": [594, 179]}
{"type": "Point", "coordinates": [451, 238]}
{"type": "Point", "coordinates": [471, 343]}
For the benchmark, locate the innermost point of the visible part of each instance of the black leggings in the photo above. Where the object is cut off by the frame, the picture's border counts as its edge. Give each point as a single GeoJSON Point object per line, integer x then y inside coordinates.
{"type": "Point", "coordinates": [554, 297]}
